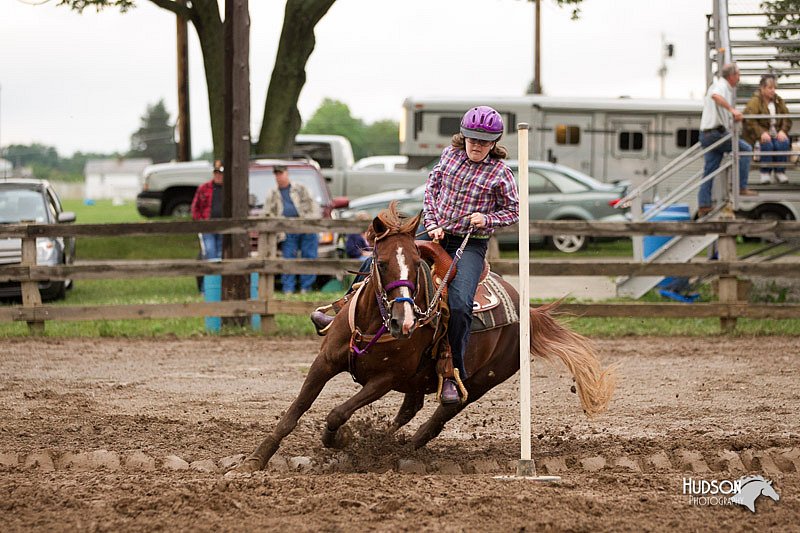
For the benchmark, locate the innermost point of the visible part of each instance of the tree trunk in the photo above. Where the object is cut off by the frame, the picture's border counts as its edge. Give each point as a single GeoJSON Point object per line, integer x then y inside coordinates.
{"type": "Point", "coordinates": [281, 117]}
{"type": "Point", "coordinates": [281, 120]}
{"type": "Point", "coordinates": [210, 32]}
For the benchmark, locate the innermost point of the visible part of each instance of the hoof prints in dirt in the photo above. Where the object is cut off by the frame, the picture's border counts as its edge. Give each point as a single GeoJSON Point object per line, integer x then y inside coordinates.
{"type": "Point", "coordinates": [771, 461]}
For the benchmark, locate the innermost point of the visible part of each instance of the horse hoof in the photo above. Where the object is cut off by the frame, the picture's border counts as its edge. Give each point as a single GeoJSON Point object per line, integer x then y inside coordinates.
{"type": "Point", "coordinates": [248, 466]}
{"type": "Point", "coordinates": [336, 439]}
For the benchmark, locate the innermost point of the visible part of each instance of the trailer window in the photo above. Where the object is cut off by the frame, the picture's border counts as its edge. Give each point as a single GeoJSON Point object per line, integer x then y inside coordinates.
{"type": "Point", "coordinates": [449, 126]}
{"type": "Point", "coordinates": [566, 134]}
{"type": "Point", "coordinates": [631, 141]}
{"type": "Point", "coordinates": [686, 137]}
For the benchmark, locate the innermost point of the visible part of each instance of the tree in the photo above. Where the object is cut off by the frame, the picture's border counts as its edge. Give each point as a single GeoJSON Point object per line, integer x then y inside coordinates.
{"type": "Point", "coordinates": [22, 155]}
{"type": "Point", "coordinates": [155, 138]}
{"type": "Point", "coordinates": [381, 138]}
{"type": "Point", "coordinates": [45, 162]}
{"type": "Point", "coordinates": [281, 117]}
{"type": "Point", "coordinates": [333, 117]}
{"type": "Point", "coordinates": [783, 24]}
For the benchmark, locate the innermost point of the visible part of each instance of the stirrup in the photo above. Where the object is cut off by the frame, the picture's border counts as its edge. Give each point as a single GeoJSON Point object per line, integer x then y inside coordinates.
{"type": "Point", "coordinates": [462, 390]}
{"type": "Point", "coordinates": [322, 322]}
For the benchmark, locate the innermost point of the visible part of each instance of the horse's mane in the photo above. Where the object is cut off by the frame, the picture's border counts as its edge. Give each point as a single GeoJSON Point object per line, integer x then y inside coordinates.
{"type": "Point", "coordinates": [745, 480]}
{"type": "Point", "coordinates": [394, 221]}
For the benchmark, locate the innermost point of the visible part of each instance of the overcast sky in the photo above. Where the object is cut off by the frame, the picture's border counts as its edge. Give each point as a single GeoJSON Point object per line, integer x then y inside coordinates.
{"type": "Point", "coordinates": [82, 82]}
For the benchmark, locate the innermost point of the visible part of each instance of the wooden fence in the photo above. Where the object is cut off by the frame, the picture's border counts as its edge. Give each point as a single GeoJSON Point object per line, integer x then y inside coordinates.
{"type": "Point", "coordinates": [265, 261]}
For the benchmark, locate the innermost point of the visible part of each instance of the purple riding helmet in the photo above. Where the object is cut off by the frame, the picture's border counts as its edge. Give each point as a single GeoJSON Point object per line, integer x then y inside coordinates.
{"type": "Point", "coordinates": [482, 123]}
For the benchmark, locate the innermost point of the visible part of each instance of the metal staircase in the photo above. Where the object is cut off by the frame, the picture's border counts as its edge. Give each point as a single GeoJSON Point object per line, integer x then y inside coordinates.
{"type": "Point", "coordinates": [731, 36]}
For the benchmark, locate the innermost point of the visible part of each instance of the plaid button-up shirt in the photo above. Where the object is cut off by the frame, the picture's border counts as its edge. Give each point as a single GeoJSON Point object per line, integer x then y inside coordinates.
{"type": "Point", "coordinates": [458, 187]}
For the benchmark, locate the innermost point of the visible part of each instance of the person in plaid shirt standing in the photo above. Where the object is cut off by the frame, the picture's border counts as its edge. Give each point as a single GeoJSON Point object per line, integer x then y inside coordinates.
{"type": "Point", "coordinates": [206, 204]}
{"type": "Point", "coordinates": [471, 188]}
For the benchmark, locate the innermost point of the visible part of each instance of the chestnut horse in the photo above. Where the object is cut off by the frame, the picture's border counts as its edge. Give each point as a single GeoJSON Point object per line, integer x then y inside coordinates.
{"type": "Point", "coordinates": [404, 363]}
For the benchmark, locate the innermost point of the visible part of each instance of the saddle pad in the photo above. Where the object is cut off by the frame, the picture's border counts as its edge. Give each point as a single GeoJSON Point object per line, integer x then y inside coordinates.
{"type": "Point", "coordinates": [502, 313]}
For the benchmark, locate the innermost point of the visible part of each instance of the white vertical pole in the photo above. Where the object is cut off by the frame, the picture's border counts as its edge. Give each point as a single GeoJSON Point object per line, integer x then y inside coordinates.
{"type": "Point", "coordinates": [526, 466]}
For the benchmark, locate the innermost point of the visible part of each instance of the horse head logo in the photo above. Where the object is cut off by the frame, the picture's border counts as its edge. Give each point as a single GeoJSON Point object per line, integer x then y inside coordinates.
{"type": "Point", "coordinates": [751, 488]}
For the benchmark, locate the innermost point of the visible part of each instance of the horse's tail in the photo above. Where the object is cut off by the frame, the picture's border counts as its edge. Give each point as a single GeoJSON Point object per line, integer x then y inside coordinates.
{"type": "Point", "coordinates": [551, 340]}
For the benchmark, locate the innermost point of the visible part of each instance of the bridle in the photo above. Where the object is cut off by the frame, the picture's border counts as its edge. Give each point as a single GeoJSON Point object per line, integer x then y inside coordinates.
{"type": "Point", "coordinates": [384, 304]}
{"type": "Point", "coordinates": [382, 293]}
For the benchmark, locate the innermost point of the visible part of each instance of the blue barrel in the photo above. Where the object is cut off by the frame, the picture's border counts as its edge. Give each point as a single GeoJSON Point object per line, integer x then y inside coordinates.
{"type": "Point", "coordinates": [653, 243]}
{"type": "Point", "coordinates": [255, 320]}
{"type": "Point", "coordinates": [673, 213]}
{"type": "Point", "coordinates": [212, 289]}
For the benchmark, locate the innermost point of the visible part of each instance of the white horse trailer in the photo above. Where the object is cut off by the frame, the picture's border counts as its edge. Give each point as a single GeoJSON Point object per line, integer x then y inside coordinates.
{"type": "Point", "coordinates": [610, 139]}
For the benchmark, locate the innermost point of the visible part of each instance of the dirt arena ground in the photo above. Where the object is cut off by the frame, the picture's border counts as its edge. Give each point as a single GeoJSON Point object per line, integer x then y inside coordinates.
{"type": "Point", "coordinates": [134, 435]}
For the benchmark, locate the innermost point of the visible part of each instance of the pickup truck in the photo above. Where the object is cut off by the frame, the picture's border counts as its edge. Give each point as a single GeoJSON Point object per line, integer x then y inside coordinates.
{"type": "Point", "coordinates": [335, 157]}
{"type": "Point", "coordinates": [168, 188]}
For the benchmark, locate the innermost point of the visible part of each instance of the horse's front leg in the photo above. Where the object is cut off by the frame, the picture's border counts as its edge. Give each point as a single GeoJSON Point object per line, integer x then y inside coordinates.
{"type": "Point", "coordinates": [374, 389]}
{"type": "Point", "coordinates": [412, 403]}
{"type": "Point", "coordinates": [319, 374]}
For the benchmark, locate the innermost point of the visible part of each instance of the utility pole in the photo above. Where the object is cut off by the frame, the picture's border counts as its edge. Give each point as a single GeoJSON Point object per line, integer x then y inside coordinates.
{"type": "Point", "coordinates": [184, 124]}
{"type": "Point", "coordinates": [667, 51]}
{"type": "Point", "coordinates": [537, 52]}
{"type": "Point", "coordinates": [237, 138]}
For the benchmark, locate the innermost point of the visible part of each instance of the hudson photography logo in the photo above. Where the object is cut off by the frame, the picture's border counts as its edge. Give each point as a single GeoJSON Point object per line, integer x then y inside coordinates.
{"type": "Point", "coordinates": [743, 491]}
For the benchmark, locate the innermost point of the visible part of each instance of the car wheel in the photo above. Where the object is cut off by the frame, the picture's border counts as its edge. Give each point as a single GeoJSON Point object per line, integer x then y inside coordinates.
{"type": "Point", "coordinates": [569, 244]}
{"type": "Point", "coordinates": [180, 206]}
{"type": "Point", "coordinates": [770, 214]}
{"type": "Point", "coordinates": [180, 210]}
{"type": "Point", "coordinates": [57, 291]}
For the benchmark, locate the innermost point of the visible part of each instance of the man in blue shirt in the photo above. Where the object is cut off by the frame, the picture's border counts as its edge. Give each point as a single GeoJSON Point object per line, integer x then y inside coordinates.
{"type": "Point", "coordinates": [293, 200]}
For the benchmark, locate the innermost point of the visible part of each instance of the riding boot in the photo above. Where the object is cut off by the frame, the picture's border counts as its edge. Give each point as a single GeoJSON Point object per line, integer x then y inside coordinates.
{"type": "Point", "coordinates": [451, 388]}
{"type": "Point", "coordinates": [320, 317]}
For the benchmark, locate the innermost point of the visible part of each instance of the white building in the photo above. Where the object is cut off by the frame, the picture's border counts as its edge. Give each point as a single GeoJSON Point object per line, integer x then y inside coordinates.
{"type": "Point", "coordinates": [115, 179]}
{"type": "Point", "coordinates": [6, 168]}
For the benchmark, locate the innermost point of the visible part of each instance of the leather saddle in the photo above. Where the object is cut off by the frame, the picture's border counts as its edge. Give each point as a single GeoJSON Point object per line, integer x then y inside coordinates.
{"type": "Point", "coordinates": [440, 261]}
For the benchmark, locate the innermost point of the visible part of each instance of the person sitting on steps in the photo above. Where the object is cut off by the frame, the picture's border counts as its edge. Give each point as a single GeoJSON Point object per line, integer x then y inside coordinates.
{"type": "Point", "coordinates": [771, 133]}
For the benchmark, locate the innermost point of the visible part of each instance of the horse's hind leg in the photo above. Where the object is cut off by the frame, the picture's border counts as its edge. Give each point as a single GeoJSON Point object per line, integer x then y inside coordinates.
{"type": "Point", "coordinates": [435, 424]}
{"type": "Point", "coordinates": [483, 380]}
{"type": "Point", "coordinates": [372, 390]}
{"type": "Point", "coordinates": [412, 403]}
{"type": "Point", "coordinates": [319, 374]}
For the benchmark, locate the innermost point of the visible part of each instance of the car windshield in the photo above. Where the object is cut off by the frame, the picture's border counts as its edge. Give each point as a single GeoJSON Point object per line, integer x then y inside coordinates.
{"type": "Point", "coordinates": [263, 181]}
{"type": "Point", "coordinates": [17, 205]}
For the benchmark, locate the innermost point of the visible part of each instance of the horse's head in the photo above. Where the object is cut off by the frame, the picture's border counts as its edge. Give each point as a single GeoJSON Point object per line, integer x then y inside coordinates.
{"type": "Point", "coordinates": [768, 490]}
{"type": "Point", "coordinates": [395, 260]}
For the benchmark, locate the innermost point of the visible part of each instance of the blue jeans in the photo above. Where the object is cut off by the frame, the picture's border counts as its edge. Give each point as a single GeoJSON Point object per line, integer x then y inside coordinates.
{"type": "Point", "coordinates": [713, 160]}
{"type": "Point", "coordinates": [212, 246]}
{"type": "Point", "coordinates": [307, 244]}
{"type": "Point", "coordinates": [774, 146]}
{"type": "Point", "coordinates": [461, 293]}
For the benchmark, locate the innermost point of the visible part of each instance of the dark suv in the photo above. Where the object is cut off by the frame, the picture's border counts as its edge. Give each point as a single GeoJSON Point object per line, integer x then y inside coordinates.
{"type": "Point", "coordinates": [34, 201]}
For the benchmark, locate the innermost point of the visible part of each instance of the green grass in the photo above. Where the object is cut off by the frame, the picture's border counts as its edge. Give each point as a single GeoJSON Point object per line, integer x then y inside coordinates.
{"type": "Point", "coordinates": [126, 247]}
{"type": "Point", "coordinates": [183, 290]}
{"type": "Point", "coordinates": [103, 212]}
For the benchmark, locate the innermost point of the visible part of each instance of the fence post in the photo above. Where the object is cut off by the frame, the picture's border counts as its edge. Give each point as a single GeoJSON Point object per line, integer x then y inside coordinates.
{"type": "Point", "coordinates": [267, 249]}
{"type": "Point", "coordinates": [637, 216]}
{"type": "Point", "coordinates": [727, 291]}
{"type": "Point", "coordinates": [31, 298]}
